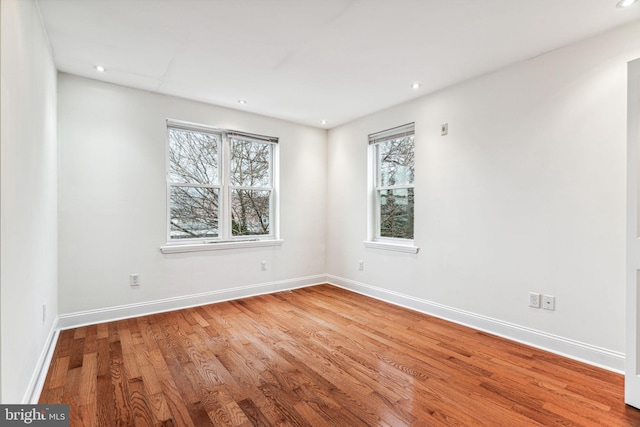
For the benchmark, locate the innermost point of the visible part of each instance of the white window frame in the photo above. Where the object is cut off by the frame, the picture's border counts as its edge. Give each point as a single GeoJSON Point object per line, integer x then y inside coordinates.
{"type": "Point", "coordinates": [374, 238]}
{"type": "Point", "coordinates": [225, 239]}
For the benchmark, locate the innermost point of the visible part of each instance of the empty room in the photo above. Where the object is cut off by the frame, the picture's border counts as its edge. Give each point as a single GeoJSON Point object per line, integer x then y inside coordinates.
{"type": "Point", "coordinates": [336, 212]}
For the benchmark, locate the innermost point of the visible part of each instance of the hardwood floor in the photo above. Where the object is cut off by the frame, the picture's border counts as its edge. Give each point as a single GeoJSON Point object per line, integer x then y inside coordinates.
{"type": "Point", "coordinates": [319, 356]}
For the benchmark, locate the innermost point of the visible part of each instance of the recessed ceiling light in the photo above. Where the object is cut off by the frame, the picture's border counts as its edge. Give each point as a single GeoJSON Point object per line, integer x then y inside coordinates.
{"type": "Point", "coordinates": [625, 3]}
{"type": "Point", "coordinates": [324, 122]}
{"type": "Point", "coordinates": [242, 101]}
{"type": "Point", "coordinates": [416, 85]}
{"type": "Point", "coordinates": [100, 68]}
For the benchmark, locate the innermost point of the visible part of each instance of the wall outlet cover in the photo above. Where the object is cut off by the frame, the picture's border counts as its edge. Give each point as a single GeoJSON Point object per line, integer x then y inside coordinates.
{"type": "Point", "coordinates": [134, 279]}
{"type": "Point", "coordinates": [534, 299]}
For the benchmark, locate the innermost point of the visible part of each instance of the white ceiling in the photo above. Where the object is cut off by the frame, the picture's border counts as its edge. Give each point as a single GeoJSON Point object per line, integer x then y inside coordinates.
{"type": "Point", "coordinates": [308, 60]}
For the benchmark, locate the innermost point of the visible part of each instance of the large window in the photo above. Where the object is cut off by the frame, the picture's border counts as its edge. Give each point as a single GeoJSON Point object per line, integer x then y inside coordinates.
{"type": "Point", "coordinates": [393, 183]}
{"type": "Point", "coordinates": [220, 184]}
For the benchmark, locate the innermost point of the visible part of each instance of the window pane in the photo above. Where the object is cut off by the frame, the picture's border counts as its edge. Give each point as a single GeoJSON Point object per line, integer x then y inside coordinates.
{"type": "Point", "coordinates": [396, 213]}
{"type": "Point", "coordinates": [193, 157]}
{"type": "Point", "coordinates": [250, 212]}
{"type": "Point", "coordinates": [250, 161]}
{"type": "Point", "coordinates": [395, 161]}
{"type": "Point", "coordinates": [194, 212]}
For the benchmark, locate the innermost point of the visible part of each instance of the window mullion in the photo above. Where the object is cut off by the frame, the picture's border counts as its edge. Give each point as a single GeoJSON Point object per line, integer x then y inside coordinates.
{"type": "Point", "coordinates": [225, 208]}
{"type": "Point", "coordinates": [248, 187]}
{"type": "Point", "coordinates": [189, 184]}
{"type": "Point", "coordinates": [395, 187]}
{"type": "Point", "coordinates": [273, 170]}
{"type": "Point", "coordinates": [377, 213]}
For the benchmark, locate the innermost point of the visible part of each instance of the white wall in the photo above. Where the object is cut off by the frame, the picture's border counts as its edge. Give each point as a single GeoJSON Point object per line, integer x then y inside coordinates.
{"type": "Point", "coordinates": [112, 218]}
{"type": "Point", "coordinates": [28, 197]}
{"type": "Point", "coordinates": [526, 193]}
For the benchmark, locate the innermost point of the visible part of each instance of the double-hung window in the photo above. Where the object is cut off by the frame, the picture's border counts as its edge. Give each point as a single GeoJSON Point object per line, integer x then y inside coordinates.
{"type": "Point", "coordinates": [221, 184]}
{"type": "Point", "coordinates": [393, 195]}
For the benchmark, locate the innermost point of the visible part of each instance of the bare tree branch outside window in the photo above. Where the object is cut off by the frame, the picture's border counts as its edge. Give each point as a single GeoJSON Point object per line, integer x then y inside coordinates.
{"type": "Point", "coordinates": [193, 162]}
{"type": "Point", "coordinates": [395, 177]}
{"type": "Point", "coordinates": [250, 174]}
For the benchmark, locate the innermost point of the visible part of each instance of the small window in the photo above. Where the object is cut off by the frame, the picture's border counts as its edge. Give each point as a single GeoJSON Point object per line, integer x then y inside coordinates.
{"type": "Point", "coordinates": [220, 184]}
{"type": "Point", "coordinates": [393, 183]}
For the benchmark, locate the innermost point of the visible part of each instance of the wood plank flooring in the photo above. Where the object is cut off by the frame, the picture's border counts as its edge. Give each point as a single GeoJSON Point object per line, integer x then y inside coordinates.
{"type": "Point", "coordinates": [319, 356]}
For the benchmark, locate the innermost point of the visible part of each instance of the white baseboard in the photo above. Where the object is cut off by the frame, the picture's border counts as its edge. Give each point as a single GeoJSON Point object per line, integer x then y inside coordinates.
{"type": "Point", "coordinates": [593, 355]}
{"type": "Point", "coordinates": [90, 317]}
{"type": "Point", "coordinates": [34, 389]}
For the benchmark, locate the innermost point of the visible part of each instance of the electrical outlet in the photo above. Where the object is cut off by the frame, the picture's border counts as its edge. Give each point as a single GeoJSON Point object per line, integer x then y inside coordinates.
{"type": "Point", "coordinates": [534, 299]}
{"type": "Point", "coordinates": [548, 302]}
{"type": "Point", "coordinates": [263, 266]}
{"type": "Point", "coordinates": [361, 265]}
{"type": "Point", "coordinates": [134, 279]}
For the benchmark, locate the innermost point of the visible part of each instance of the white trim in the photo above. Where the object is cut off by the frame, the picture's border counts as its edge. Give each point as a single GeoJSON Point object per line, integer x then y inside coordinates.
{"type": "Point", "coordinates": [632, 332]}
{"type": "Point", "coordinates": [39, 375]}
{"type": "Point", "coordinates": [91, 317]}
{"type": "Point", "coordinates": [216, 246]}
{"type": "Point", "coordinates": [397, 132]}
{"type": "Point", "coordinates": [587, 353]}
{"type": "Point", "coordinates": [274, 221]}
{"type": "Point", "coordinates": [371, 244]}
{"type": "Point", "coordinates": [190, 126]}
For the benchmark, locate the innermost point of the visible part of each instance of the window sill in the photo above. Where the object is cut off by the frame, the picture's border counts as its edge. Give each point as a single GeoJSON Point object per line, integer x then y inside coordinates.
{"type": "Point", "coordinates": [217, 246]}
{"type": "Point", "coordinates": [391, 247]}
